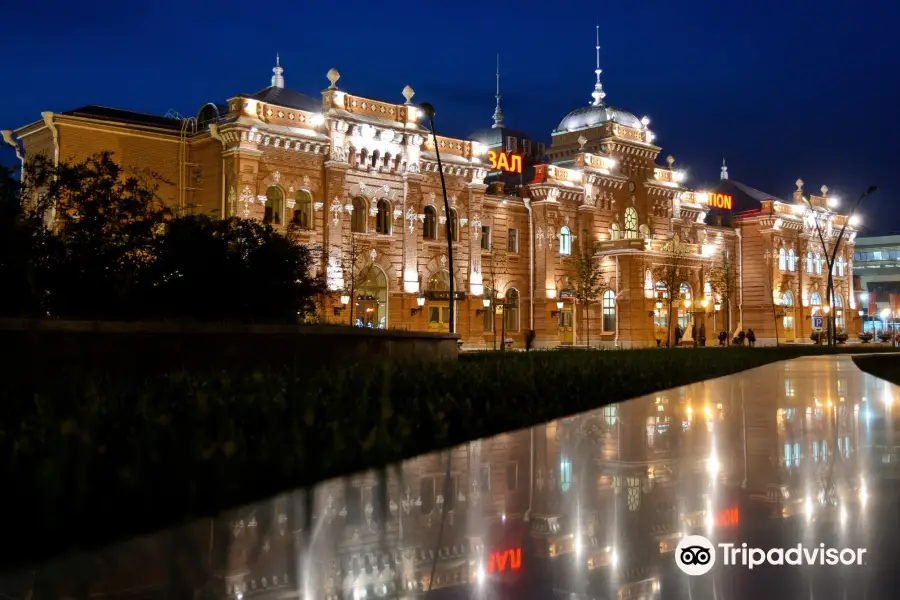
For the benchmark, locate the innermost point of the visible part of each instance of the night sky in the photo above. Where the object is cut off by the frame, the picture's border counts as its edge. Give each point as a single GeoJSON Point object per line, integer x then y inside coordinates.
{"type": "Point", "coordinates": [782, 90]}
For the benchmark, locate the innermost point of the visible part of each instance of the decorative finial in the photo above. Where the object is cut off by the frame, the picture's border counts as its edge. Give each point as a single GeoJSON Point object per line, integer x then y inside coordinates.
{"type": "Point", "coordinates": [799, 184]}
{"type": "Point", "coordinates": [598, 93]}
{"type": "Point", "coordinates": [724, 173]}
{"type": "Point", "coordinates": [824, 189]}
{"type": "Point", "coordinates": [582, 141]}
{"type": "Point", "coordinates": [333, 77]}
{"type": "Point", "coordinates": [408, 93]}
{"type": "Point", "coordinates": [498, 113]}
{"type": "Point", "coordinates": [671, 160]}
{"type": "Point", "coordinates": [277, 78]}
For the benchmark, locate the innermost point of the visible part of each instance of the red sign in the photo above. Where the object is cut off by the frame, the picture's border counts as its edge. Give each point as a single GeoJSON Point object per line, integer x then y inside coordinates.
{"type": "Point", "coordinates": [505, 560]}
{"type": "Point", "coordinates": [501, 162]}
{"type": "Point", "coordinates": [727, 518]}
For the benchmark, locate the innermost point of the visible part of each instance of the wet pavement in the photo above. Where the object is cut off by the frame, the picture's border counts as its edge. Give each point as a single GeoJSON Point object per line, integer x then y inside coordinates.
{"type": "Point", "coordinates": [801, 453]}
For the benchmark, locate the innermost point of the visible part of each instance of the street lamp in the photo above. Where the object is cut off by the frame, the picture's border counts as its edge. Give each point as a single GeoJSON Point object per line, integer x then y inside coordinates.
{"type": "Point", "coordinates": [420, 302]}
{"type": "Point", "coordinates": [830, 262]}
{"type": "Point", "coordinates": [428, 110]}
{"type": "Point", "coordinates": [345, 300]}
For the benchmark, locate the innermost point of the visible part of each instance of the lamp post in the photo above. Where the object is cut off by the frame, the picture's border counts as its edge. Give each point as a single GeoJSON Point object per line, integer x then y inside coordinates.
{"type": "Point", "coordinates": [428, 110]}
{"type": "Point", "coordinates": [829, 288]}
{"type": "Point", "coordinates": [864, 301]}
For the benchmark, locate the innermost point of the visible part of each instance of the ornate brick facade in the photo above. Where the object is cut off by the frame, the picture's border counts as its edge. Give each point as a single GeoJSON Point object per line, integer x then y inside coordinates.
{"type": "Point", "coordinates": [357, 179]}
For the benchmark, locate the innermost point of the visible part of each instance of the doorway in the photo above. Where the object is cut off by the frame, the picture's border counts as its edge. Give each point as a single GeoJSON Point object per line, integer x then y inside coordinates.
{"type": "Point", "coordinates": [566, 330]}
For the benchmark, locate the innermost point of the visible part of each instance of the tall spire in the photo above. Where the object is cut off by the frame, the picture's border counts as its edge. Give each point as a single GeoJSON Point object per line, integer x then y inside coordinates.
{"type": "Point", "coordinates": [598, 93]}
{"type": "Point", "coordinates": [278, 78]}
{"type": "Point", "coordinates": [724, 174]}
{"type": "Point", "coordinates": [498, 113]}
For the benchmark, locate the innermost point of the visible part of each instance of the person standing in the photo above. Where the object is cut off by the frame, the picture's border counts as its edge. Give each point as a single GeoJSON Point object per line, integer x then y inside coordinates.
{"type": "Point", "coordinates": [702, 338]}
{"type": "Point", "coordinates": [751, 337]}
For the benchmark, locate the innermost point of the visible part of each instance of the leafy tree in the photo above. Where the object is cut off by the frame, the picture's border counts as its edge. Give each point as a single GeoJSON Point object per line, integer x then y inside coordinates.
{"type": "Point", "coordinates": [672, 271]}
{"type": "Point", "coordinates": [209, 269]}
{"type": "Point", "coordinates": [587, 283]}
{"type": "Point", "coordinates": [356, 267]}
{"type": "Point", "coordinates": [723, 283]}
{"type": "Point", "coordinates": [99, 244]}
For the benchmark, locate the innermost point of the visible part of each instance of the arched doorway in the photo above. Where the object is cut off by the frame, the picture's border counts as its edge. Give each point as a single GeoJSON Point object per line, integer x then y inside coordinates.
{"type": "Point", "coordinates": [371, 300]}
{"type": "Point", "coordinates": [438, 308]}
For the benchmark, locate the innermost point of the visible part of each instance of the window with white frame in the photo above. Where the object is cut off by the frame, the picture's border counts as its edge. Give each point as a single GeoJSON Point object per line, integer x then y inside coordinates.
{"type": "Point", "coordinates": [792, 260]}
{"type": "Point", "coordinates": [782, 259]}
{"type": "Point", "coordinates": [609, 310]}
{"type": "Point", "coordinates": [565, 241]}
{"type": "Point", "coordinates": [809, 262]}
{"type": "Point", "coordinates": [512, 240]}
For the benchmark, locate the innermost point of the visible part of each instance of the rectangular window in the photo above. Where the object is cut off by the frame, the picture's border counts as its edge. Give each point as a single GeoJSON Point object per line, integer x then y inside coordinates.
{"type": "Point", "coordinates": [788, 322]}
{"type": "Point", "coordinates": [485, 237]}
{"type": "Point", "coordinates": [485, 478]}
{"type": "Point", "coordinates": [512, 240]}
{"type": "Point", "coordinates": [539, 155]}
{"type": "Point", "coordinates": [526, 147]}
{"type": "Point", "coordinates": [511, 144]}
{"type": "Point", "coordinates": [512, 476]}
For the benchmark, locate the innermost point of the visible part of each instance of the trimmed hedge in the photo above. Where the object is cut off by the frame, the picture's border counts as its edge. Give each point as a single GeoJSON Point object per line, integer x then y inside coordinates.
{"type": "Point", "coordinates": [89, 460]}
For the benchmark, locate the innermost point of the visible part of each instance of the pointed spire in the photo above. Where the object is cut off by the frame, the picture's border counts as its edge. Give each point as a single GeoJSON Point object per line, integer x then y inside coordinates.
{"type": "Point", "coordinates": [498, 113]}
{"type": "Point", "coordinates": [598, 93]}
{"type": "Point", "coordinates": [724, 174]}
{"type": "Point", "coordinates": [277, 78]}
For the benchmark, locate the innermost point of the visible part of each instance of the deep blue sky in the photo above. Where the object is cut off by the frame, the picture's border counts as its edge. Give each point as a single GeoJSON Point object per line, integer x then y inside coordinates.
{"type": "Point", "coordinates": [782, 89]}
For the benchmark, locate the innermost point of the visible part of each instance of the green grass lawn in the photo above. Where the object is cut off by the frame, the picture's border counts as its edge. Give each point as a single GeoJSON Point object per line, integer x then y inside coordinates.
{"type": "Point", "coordinates": [89, 460]}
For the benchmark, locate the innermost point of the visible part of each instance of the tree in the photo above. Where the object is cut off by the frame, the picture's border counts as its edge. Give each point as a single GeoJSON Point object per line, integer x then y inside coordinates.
{"type": "Point", "coordinates": [723, 283]}
{"type": "Point", "coordinates": [493, 269]}
{"type": "Point", "coordinates": [587, 282]}
{"type": "Point", "coordinates": [101, 245]}
{"type": "Point", "coordinates": [356, 267]}
{"type": "Point", "coordinates": [671, 272]}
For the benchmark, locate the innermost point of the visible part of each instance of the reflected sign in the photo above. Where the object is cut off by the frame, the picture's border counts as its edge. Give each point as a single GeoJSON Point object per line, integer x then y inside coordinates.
{"type": "Point", "coordinates": [503, 561]}
{"type": "Point", "coordinates": [727, 518]}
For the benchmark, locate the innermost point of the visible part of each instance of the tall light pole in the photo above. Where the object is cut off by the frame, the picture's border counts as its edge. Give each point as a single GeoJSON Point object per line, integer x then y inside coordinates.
{"type": "Point", "coordinates": [829, 260]}
{"type": "Point", "coordinates": [428, 110]}
{"type": "Point", "coordinates": [864, 300]}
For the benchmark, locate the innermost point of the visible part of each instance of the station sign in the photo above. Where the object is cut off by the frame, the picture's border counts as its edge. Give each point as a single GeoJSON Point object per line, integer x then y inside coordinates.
{"type": "Point", "coordinates": [501, 161]}
{"type": "Point", "coordinates": [715, 200]}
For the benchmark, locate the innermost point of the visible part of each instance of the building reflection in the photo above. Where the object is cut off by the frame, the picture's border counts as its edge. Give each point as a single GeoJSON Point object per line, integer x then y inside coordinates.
{"type": "Point", "coordinates": [590, 506]}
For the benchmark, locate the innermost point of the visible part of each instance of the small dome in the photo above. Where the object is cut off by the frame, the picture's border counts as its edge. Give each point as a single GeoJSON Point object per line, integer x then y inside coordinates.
{"type": "Point", "coordinates": [590, 116]}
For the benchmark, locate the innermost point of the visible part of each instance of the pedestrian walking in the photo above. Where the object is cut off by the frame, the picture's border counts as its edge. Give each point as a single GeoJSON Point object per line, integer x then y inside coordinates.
{"type": "Point", "coordinates": [751, 337]}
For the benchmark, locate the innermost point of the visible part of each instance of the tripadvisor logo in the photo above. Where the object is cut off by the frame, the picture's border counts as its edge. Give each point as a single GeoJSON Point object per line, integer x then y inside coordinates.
{"type": "Point", "coordinates": [696, 555]}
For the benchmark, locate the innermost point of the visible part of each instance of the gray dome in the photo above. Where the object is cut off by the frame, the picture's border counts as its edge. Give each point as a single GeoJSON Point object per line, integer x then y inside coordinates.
{"type": "Point", "coordinates": [589, 116]}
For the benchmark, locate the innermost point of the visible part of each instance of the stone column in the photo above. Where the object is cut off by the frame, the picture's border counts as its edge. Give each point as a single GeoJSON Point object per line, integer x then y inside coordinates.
{"type": "Point", "coordinates": [332, 244]}
{"type": "Point", "coordinates": [412, 231]}
{"type": "Point", "coordinates": [475, 212]}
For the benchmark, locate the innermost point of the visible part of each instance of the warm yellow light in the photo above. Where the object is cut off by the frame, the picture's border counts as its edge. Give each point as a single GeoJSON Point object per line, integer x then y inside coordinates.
{"type": "Point", "coordinates": [687, 303]}
{"type": "Point", "coordinates": [345, 299]}
{"type": "Point", "coordinates": [826, 309]}
{"type": "Point", "coordinates": [559, 305]}
{"type": "Point", "coordinates": [420, 300]}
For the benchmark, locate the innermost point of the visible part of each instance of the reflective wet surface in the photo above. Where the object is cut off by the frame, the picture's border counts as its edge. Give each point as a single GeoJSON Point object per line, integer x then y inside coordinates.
{"type": "Point", "coordinates": [592, 506]}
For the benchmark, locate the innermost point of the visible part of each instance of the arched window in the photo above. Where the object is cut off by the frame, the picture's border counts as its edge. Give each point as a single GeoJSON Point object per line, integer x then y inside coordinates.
{"type": "Point", "coordinates": [454, 226]}
{"type": "Point", "coordinates": [684, 313]}
{"type": "Point", "coordinates": [429, 229]}
{"type": "Point", "coordinates": [662, 315]}
{"type": "Point", "coordinates": [274, 205]}
{"type": "Point", "coordinates": [809, 262]}
{"type": "Point", "coordinates": [782, 260]}
{"type": "Point", "coordinates": [359, 220]}
{"type": "Point", "coordinates": [511, 310]}
{"type": "Point", "coordinates": [614, 233]}
{"type": "Point", "coordinates": [818, 264]}
{"type": "Point", "coordinates": [303, 210]}
{"type": "Point", "coordinates": [787, 301]}
{"type": "Point", "coordinates": [371, 299]}
{"type": "Point", "coordinates": [792, 260]}
{"type": "Point", "coordinates": [383, 217]}
{"type": "Point", "coordinates": [565, 241]}
{"type": "Point", "coordinates": [631, 223]}
{"type": "Point", "coordinates": [815, 299]}
{"type": "Point", "coordinates": [609, 310]}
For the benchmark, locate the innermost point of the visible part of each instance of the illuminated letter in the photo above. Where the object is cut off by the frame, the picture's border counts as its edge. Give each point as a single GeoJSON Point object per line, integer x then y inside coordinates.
{"type": "Point", "coordinates": [516, 164]}
{"type": "Point", "coordinates": [515, 561]}
{"type": "Point", "coordinates": [501, 560]}
{"type": "Point", "coordinates": [492, 156]}
{"type": "Point", "coordinates": [492, 563]}
{"type": "Point", "coordinates": [728, 202]}
{"type": "Point", "coordinates": [502, 164]}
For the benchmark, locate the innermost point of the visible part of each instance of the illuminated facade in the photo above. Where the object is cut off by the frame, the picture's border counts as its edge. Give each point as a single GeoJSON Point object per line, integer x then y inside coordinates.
{"type": "Point", "coordinates": [357, 179]}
